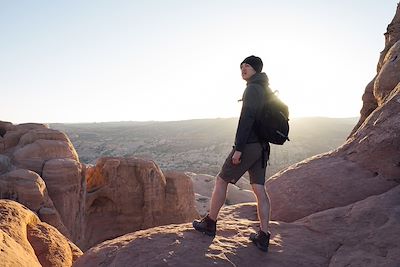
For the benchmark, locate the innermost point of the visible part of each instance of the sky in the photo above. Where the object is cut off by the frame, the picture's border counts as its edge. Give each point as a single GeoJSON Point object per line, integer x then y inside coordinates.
{"type": "Point", "coordinates": [97, 61]}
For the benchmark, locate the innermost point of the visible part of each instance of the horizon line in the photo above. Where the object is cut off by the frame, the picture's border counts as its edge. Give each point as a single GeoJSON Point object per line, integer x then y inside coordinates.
{"type": "Point", "coordinates": [194, 119]}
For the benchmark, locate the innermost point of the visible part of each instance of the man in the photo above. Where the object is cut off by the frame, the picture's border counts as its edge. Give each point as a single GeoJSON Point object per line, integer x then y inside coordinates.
{"type": "Point", "coordinates": [248, 154]}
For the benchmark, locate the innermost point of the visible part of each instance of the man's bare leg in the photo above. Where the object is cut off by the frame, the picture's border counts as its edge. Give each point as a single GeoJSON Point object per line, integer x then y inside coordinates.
{"type": "Point", "coordinates": [263, 206]}
{"type": "Point", "coordinates": [218, 197]}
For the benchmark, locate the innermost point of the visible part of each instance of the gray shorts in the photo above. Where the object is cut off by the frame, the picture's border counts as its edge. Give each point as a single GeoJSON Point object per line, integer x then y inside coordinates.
{"type": "Point", "coordinates": [251, 161]}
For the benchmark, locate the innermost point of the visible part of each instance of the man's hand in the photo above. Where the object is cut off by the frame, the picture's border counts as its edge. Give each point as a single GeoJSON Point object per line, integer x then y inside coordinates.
{"type": "Point", "coordinates": [236, 157]}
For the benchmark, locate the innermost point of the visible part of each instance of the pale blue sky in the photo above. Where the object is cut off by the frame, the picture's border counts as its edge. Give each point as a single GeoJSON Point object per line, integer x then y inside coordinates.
{"type": "Point", "coordinates": [86, 61]}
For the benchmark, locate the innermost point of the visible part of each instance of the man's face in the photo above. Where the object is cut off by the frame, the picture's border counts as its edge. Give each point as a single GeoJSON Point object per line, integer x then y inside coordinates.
{"type": "Point", "coordinates": [247, 71]}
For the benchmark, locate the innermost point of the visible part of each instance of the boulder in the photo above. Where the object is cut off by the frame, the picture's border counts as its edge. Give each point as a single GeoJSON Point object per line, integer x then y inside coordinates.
{"type": "Point", "coordinates": [13, 133]}
{"type": "Point", "coordinates": [179, 198]}
{"type": "Point", "coordinates": [129, 194]}
{"type": "Point", "coordinates": [33, 156]}
{"type": "Point", "coordinates": [26, 241]}
{"type": "Point", "coordinates": [65, 181]}
{"type": "Point", "coordinates": [28, 188]}
{"type": "Point", "coordinates": [42, 133]}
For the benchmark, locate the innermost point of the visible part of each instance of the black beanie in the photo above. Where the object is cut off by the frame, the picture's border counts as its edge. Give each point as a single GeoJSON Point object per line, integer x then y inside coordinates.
{"type": "Point", "coordinates": [255, 62]}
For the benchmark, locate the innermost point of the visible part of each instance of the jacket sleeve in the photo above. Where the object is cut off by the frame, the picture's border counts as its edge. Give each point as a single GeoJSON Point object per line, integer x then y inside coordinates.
{"type": "Point", "coordinates": [251, 103]}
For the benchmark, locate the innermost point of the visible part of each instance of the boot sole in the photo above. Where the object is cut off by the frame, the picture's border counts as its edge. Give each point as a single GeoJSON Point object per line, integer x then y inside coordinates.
{"type": "Point", "coordinates": [259, 246]}
{"type": "Point", "coordinates": [264, 249]}
{"type": "Point", "coordinates": [212, 234]}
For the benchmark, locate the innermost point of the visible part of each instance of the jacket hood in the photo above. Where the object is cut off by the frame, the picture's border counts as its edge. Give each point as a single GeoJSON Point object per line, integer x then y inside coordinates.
{"type": "Point", "coordinates": [259, 78]}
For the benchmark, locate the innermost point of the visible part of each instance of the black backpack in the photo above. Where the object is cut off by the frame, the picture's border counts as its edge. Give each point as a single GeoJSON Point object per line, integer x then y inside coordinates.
{"type": "Point", "coordinates": [272, 120]}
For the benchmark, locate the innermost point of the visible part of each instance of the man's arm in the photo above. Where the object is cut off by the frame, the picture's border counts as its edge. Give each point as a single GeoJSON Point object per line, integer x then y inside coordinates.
{"type": "Point", "coordinates": [247, 118]}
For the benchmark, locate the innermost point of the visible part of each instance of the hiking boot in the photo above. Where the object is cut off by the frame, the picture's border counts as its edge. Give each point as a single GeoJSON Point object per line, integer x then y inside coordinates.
{"type": "Point", "coordinates": [261, 240]}
{"type": "Point", "coordinates": [206, 225]}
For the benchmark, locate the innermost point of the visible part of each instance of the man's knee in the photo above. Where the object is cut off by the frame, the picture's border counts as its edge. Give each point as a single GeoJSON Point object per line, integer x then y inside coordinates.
{"type": "Point", "coordinates": [221, 181]}
{"type": "Point", "coordinates": [259, 191]}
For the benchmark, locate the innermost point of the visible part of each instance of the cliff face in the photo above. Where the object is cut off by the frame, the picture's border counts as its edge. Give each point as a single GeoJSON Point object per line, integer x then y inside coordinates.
{"type": "Point", "coordinates": [367, 164]}
{"type": "Point", "coordinates": [387, 76]}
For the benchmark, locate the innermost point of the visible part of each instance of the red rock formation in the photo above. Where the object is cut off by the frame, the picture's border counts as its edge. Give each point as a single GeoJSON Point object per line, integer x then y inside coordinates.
{"type": "Point", "coordinates": [368, 164]}
{"type": "Point", "coordinates": [65, 181]}
{"type": "Point", "coordinates": [29, 189]}
{"type": "Point", "coordinates": [203, 186]}
{"type": "Point", "coordinates": [128, 194]}
{"type": "Point", "coordinates": [33, 156]}
{"type": "Point", "coordinates": [5, 164]}
{"type": "Point", "coordinates": [26, 241]}
{"type": "Point", "coordinates": [13, 133]}
{"type": "Point", "coordinates": [386, 78]}
{"type": "Point", "coordinates": [50, 154]}
{"type": "Point", "coordinates": [179, 198]}
{"type": "Point", "coordinates": [361, 234]}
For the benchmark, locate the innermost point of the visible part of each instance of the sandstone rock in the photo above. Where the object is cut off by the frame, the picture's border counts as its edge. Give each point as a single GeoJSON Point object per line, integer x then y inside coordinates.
{"type": "Point", "coordinates": [369, 105]}
{"type": "Point", "coordinates": [367, 164]}
{"type": "Point", "coordinates": [13, 133]}
{"type": "Point", "coordinates": [128, 194]}
{"type": "Point", "coordinates": [5, 164]}
{"type": "Point", "coordinates": [181, 245]}
{"type": "Point", "coordinates": [203, 186]}
{"type": "Point", "coordinates": [179, 198]}
{"type": "Point", "coordinates": [202, 204]}
{"type": "Point", "coordinates": [4, 127]}
{"type": "Point", "coordinates": [34, 155]}
{"type": "Point", "coordinates": [385, 79]}
{"type": "Point", "coordinates": [361, 234]}
{"type": "Point", "coordinates": [42, 133]}
{"type": "Point", "coordinates": [376, 144]}
{"type": "Point", "coordinates": [29, 242]}
{"type": "Point", "coordinates": [24, 186]}
{"type": "Point", "coordinates": [392, 35]}
{"type": "Point", "coordinates": [244, 184]}
{"type": "Point", "coordinates": [236, 195]}
{"type": "Point", "coordinates": [388, 77]}
{"type": "Point", "coordinates": [367, 231]}
{"type": "Point", "coordinates": [65, 181]}
{"type": "Point", "coordinates": [2, 145]}
{"type": "Point", "coordinates": [11, 138]}
{"type": "Point", "coordinates": [28, 188]}
{"type": "Point", "coordinates": [50, 154]}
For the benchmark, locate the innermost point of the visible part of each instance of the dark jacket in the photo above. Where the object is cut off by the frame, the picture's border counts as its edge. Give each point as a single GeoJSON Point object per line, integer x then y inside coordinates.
{"type": "Point", "coordinates": [252, 101]}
